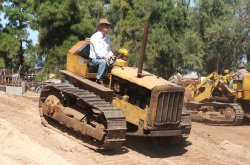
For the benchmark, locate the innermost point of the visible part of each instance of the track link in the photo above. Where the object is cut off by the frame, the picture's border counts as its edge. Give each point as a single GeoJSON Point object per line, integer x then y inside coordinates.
{"type": "Point", "coordinates": [239, 114]}
{"type": "Point", "coordinates": [199, 113]}
{"type": "Point", "coordinates": [115, 123]}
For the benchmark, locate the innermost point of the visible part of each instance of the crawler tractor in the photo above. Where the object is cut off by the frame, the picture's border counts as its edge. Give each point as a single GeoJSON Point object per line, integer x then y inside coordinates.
{"type": "Point", "coordinates": [213, 101]}
{"type": "Point", "coordinates": [130, 103]}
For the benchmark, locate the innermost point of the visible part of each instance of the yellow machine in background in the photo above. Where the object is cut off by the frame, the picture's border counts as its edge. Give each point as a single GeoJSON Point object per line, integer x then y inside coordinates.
{"type": "Point", "coordinates": [212, 100]}
{"type": "Point", "coordinates": [132, 102]}
{"type": "Point", "coordinates": [242, 88]}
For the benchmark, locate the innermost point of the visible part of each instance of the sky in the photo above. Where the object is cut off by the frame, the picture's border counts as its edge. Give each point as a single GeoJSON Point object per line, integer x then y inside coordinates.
{"type": "Point", "coordinates": [33, 36]}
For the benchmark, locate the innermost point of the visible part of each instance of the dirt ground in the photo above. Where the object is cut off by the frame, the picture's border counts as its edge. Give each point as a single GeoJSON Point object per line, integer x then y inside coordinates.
{"type": "Point", "coordinates": [24, 140]}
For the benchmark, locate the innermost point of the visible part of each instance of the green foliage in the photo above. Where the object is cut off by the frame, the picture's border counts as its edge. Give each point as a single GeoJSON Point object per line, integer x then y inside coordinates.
{"type": "Point", "coordinates": [193, 51]}
{"type": "Point", "coordinates": [14, 35]}
{"type": "Point", "coordinates": [222, 31]}
{"type": "Point", "coordinates": [30, 58]}
{"type": "Point", "coordinates": [211, 36]}
{"type": "Point", "coordinates": [2, 63]}
{"type": "Point", "coordinates": [166, 48]}
{"type": "Point", "coordinates": [8, 49]}
{"type": "Point", "coordinates": [248, 66]}
{"type": "Point", "coordinates": [41, 76]}
{"type": "Point", "coordinates": [61, 24]}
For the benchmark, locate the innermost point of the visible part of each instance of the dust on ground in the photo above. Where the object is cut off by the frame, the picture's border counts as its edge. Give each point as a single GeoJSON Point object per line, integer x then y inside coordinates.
{"type": "Point", "coordinates": [24, 140]}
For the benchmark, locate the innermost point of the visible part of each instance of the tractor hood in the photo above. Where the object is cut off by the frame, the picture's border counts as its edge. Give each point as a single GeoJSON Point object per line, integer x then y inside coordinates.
{"type": "Point", "coordinates": [148, 80]}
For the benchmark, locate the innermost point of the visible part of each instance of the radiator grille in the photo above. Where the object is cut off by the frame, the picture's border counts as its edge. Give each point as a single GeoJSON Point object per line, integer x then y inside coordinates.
{"type": "Point", "coordinates": [169, 107]}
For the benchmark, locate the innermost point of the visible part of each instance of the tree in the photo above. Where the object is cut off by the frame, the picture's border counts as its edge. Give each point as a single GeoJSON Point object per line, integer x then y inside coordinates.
{"type": "Point", "coordinates": [244, 22]}
{"type": "Point", "coordinates": [223, 36]}
{"type": "Point", "coordinates": [211, 36]}
{"type": "Point", "coordinates": [166, 50]}
{"type": "Point", "coordinates": [18, 16]}
{"type": "Point", "coordinates": [8, 49]}
{"type": "Point", "coordinates": [61, 24]}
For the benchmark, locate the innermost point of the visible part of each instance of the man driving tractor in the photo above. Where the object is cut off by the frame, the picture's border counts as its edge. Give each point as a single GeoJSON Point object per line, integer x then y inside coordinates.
{"type": "Point", "coordinates": [100, 50]}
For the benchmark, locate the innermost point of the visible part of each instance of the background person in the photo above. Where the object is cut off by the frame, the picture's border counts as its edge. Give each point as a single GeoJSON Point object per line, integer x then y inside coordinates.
{"type": "Point", "coordinates": [226, 76]}
{"type": "Point", "coordinates": [239, 74]}
{"type": "Point", "coordinates": [241, 71]}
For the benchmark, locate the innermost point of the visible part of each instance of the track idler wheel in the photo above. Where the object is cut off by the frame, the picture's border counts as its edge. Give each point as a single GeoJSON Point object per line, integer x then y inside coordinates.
{"type": "Point", "coordinates": [51, 105]}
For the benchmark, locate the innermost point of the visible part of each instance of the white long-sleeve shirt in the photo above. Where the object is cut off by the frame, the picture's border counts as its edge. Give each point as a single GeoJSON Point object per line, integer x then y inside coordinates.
{"type": "Point", "coordinates": [100, 46]}
{"type": "Point", "coordinates": [240, 73]}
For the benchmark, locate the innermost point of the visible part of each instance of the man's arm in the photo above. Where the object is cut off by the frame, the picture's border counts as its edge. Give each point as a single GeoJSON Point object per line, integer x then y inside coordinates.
{"type": "Point", "coordinates": [110, 53]}
{"type": "Point", "coordinates": [238, 73]}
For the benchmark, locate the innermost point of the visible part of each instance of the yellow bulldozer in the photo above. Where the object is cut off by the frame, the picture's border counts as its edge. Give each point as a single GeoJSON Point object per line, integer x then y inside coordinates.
{"type": "Point", "coordinates": [131, 103]}
{"type": "Point", "coordinates": [213, 101]}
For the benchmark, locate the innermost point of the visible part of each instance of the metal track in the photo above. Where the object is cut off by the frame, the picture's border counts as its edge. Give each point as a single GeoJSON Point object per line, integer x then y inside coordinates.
{"type": "Point", "coordinates": [83, 141]}
{"type": "Point", "coordinates": [199, 115]}
{"type": "Point", "coordinates": [115, 123]}
{"type": "Point", "coordinates": [239, 114]}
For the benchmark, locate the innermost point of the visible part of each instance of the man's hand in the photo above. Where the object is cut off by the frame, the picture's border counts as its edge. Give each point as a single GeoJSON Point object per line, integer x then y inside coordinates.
{"type": "Point", "coordinates": [113, 57]}
{"type": "Point", "coordinates": [106, 58]}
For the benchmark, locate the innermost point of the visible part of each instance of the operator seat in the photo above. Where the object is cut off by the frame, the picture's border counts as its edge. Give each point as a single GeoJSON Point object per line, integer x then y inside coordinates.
{"type": "Point", "coordinates": [84, 52]}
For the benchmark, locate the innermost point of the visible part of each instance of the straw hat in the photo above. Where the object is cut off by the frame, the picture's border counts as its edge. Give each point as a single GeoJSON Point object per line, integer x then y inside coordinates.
{"type": "Point", "coordinates": [241, 66]}
{"type": "Point", "coordinates": [226, 71]}
{"type": "Point", "coordinates": [103, 21]}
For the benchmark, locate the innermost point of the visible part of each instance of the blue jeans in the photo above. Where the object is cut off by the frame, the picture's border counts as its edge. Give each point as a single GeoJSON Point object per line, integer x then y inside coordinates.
{"type": "Point", "coordinates": [101, 67]}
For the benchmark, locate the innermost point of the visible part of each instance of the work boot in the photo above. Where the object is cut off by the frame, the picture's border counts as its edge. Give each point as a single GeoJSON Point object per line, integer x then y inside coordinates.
{"type": "Point", "coordinates": [99, 82]}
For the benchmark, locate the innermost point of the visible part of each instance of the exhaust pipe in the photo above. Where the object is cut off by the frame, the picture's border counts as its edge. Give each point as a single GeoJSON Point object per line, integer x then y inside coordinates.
{"type": "Point", "coordinates": [143, 47]}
